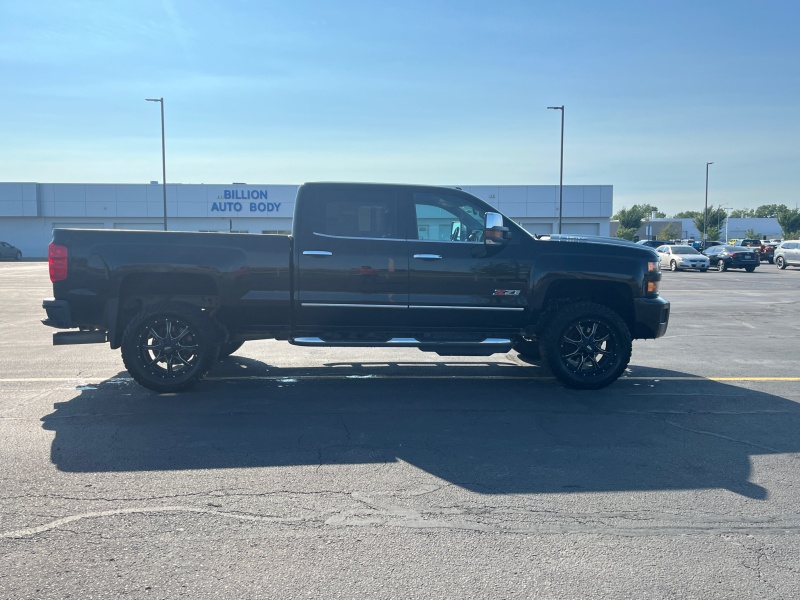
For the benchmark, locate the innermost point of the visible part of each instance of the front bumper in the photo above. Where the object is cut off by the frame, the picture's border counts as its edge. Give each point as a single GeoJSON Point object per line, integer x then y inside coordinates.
{"type": "Point", "coordinates": [694, 266]}
{"type": "Point", "coordinates": [652, 317]}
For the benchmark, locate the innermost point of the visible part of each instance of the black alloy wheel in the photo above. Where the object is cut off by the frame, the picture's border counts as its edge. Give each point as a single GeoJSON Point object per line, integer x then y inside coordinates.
{"type": "Point", "coordinates": [170, 347]}
{"type": "Point", "coordinates": [586, 345]}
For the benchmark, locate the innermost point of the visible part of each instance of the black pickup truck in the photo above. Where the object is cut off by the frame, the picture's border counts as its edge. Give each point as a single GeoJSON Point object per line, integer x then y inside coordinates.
{"type": "Point", "coordinates": [366, 265]}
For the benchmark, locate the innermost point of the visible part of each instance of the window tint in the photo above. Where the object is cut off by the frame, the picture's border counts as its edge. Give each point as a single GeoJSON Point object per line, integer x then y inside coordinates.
{"type": "Point", "coordinates": [443, 217]}
{"type": "Point", "coordinates": [357, 213]}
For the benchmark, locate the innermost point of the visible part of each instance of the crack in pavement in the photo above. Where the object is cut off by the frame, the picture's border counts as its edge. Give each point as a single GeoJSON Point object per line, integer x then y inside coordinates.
{"type": "Point", "coordinates": [724, 437]}
{"type": "Point", "coordinates": [383, 513]}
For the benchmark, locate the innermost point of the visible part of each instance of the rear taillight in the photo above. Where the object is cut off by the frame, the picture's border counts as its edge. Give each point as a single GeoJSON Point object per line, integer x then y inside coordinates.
{"type": "Point", "coordinates": [57, 257]}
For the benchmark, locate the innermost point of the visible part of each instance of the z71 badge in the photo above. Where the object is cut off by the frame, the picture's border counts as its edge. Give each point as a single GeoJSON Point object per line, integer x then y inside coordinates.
{"type": "Point", "coordinates": [506, 292]}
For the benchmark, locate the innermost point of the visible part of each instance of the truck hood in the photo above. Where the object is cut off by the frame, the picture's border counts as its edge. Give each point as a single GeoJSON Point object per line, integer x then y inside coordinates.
{"type": "Point", "coordinates": [595, 239]}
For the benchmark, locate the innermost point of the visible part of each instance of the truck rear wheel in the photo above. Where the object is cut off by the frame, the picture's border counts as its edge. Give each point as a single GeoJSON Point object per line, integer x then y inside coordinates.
{"type": "Point", "coordinates": [170, 347]}
{"type": "Point", "coordinates": [586, 345]}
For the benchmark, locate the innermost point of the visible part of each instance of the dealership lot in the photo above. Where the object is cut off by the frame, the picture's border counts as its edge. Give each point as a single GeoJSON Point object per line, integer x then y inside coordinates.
{"type": "Point", "coordinates": [297, 472]}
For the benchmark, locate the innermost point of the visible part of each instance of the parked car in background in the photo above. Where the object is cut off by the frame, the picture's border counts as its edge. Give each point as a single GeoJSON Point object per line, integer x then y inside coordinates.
{"type": "Point", "coordinates": [765, 252]}
{"type": "Point", "coordinates": [654, 243]}
{"type": "Point", "coordinates": [9, 251]}
{"type": "Point", "coordinates": [708, 244]}
{"type": "Point", "coordinates": [682, 257]}
{"type": "Point", "coordinates": [733, 257]}
{"type": "Point", "coordinates": [788, 254]}
{"type": "Point", "coordinates": [768, 251]}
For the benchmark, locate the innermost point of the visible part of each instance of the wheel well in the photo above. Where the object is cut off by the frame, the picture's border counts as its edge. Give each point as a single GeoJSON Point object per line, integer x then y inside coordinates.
{"type": "Point", "coordinates": [139, 291]}
{"type": "Point", "coordinates": [616, 296]}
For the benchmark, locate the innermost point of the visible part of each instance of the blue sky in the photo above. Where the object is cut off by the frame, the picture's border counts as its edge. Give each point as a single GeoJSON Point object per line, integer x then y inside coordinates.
{"type": "Point", "coordinates": [416, 91]}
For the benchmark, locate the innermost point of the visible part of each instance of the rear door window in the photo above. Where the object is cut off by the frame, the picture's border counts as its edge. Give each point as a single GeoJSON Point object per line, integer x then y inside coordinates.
{"type": "Point", "coordinates": [357, 213]}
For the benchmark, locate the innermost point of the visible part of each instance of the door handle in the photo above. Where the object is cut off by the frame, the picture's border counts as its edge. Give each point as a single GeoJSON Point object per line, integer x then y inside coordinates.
{"type": "Point", "coordinates": [428, 256]}
{"type": "Point", "coordinates": [317, 253]}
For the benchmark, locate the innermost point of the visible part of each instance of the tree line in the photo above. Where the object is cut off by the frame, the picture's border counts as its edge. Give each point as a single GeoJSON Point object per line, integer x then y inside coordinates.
{"type": "Point", "coordinates": [712, 220]}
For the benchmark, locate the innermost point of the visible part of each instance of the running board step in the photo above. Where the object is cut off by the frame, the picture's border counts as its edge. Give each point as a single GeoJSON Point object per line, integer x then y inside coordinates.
{"type": "Point", "coordinates": [484, 347]}
{"type": "Point", "coordinates": [63, 338]}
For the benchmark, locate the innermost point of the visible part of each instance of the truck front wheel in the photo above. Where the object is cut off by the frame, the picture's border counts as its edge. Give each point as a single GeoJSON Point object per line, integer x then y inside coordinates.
{"type": "Point", "coordinates": [586, 345]}
{"type": "Point", "coordinates": [170, 347]}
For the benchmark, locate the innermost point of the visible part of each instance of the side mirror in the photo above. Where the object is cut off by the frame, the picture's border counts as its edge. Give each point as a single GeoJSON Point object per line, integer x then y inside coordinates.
{"type": "Point", "coordinates": [493, 232]}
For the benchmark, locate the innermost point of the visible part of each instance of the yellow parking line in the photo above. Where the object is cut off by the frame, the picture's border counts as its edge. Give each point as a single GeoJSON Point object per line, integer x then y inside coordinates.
{"type": "Point", "coordinates": [698, 378]}
{"type": "Point", "coordinates": [668, 291]}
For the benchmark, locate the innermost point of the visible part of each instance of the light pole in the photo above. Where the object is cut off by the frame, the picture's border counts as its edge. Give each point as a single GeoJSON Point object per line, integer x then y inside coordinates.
{"type": "Point", "coordinates": [561, 175]}
{"type": "Point", "coordinates": [163, 157]}
{"type": "Point", "coordinates": [727, 217]}
{"type": "Point", "coordinates": [705, 214]}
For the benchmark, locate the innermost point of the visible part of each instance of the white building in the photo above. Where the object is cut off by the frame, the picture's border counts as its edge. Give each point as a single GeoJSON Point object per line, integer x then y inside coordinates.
{"type": "Point", "coordinates": [762, 228]}
{"type": "Point", "coordinates": [30, 211]}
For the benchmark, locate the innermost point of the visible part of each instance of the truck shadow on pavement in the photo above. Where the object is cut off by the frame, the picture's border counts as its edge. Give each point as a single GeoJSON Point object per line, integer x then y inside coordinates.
{"type": "Point", "coordinates": [487, 427]}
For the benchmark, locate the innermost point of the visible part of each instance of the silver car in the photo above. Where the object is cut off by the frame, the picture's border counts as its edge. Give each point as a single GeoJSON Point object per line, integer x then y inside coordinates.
{"type": "Point", "coordinates": [9, 251]}
{"type": "Point", "coordinates": [682, 257]}
{"type": "Point", "coordinates": [788, 253]}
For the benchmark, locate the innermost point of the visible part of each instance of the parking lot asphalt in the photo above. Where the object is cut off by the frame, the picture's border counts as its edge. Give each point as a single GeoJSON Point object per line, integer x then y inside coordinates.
{"type": "Point", "coordinates": [296, 472]}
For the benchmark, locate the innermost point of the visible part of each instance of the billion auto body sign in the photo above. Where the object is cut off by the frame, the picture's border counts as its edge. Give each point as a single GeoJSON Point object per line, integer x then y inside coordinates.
{"type": "Point", "coordinates": [245, 202]}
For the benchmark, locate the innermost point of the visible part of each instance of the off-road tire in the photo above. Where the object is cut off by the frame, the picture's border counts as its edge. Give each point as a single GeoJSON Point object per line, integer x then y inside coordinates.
{"type": "Point", "coordinates": [586, 346]}
{"type": "Point", "coordinates": [170, 347]}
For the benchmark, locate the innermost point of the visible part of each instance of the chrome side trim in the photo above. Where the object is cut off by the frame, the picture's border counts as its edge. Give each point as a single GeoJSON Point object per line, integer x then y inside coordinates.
{"type": "Point", "coordinates": [428, 256]}
{"type": "Point", "coordinates": [402, 341]}
{"type": "Point", "coordinates": [510, 308]}
{"type": "Point", "coordinates": [264, 295]}
{"type": "Point", "coordinates": [355, 237]}
{"type": "Point", "coordinates": [347, 305]}
{"type": "Point", "coordinates": [317, 253]}
{"type": "Point", "coordinates": [343, 305]}
{"type": "Point", "coordinates": [446, 241]}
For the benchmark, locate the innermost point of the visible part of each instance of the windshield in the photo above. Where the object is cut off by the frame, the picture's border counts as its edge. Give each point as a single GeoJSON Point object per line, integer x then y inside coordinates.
{"type": "Point", "coordinates": [684, 250]}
